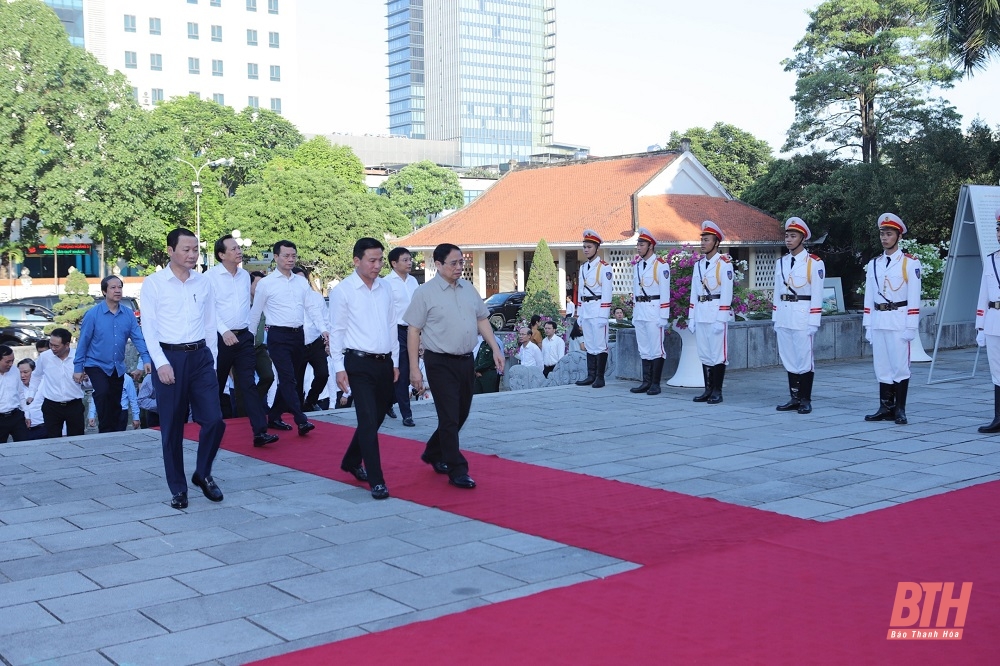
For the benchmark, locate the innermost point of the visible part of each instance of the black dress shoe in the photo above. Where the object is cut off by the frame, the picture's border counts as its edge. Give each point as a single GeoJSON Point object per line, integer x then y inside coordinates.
{"type": "Point", "coordinates": [358, 472]}
{"type": "Point", "coordinates": [278, 424]}
{"type": "Point", "coordinates": [408, 422]}
{"type": "Point", "coordinates": [464, 481]}
{"type": "Point", "coordinates": [179, 501]}
{"type": "Point", "coordinates": [390, 413]}
{"type": "Point", "coordinates": [379, 491]}
{"type": "Point", "coordinates": [305, 428]}
{"type": "Point", "coordinates": [264, 438]}
{"type": "Point", "coordinates": [439, 467]}
{"type": "Point", "coordinates": [208, 487]}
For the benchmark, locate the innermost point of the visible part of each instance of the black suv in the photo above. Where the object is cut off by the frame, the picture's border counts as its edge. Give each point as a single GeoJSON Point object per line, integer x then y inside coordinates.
{"type": "Point", "coordinates": [503, 308]}
{"type": "Point", "coordinates": [13, 336]}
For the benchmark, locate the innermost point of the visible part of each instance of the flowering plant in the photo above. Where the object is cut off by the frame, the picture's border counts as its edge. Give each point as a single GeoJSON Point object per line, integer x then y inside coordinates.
{"type": "Point", "coordinates": [682, 261]}
{"type": "Point", "coordinates": [508, 343]}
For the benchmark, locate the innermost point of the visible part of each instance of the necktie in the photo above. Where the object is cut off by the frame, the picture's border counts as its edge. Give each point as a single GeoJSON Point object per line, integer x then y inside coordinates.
{"type": "Point", "coordinates": [706, 263]}
{"type": "Point", "coordinates": [887, 260]}
{"type": "Point", "coordinates": [793, 262]}
{"type": "Point", "coordinates": [643, 264]}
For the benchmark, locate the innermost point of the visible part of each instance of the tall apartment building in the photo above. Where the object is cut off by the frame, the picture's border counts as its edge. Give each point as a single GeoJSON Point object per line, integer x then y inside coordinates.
{"type": "Point", "coordinates": [235, 52]}
{"type": "Point", "coordinates": [481, 72]}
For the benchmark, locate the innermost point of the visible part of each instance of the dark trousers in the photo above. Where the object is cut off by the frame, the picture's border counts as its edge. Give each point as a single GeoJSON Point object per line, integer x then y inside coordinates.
{"type": "Point", "coordinates": [242, 361]}
{"type": "Point", "coordinates": [371, 388]}
{"type": "Point", "coordinates": [315, 355]}
{"type": "Point", "coordinates": [195, 386]}
{"type": "Point", "coordinates": [12, 425]}
{"type": "Point", "coordinates": [37, 432]}
{"type": "Point", "coordinates": [107, 398]}
{"type": "Point", "coordinates": [451, 379]}
{"type": "Point", "coordinates": [70, 412]}
{"type": "Point", "coordinates": [287, 348]}
{"type": "Point", "coordinates": [265, 377]}
{"type": "Point", "coordinates": [401, 391]}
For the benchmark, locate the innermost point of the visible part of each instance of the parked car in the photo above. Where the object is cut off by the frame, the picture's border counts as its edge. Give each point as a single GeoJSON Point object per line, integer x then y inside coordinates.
{"type": "Point", "coordinates": [27, 314]}
{"type": "Point", "coordinates": [13, 336]}
{"type": "Point", "coordinates": [503, 308]}
{"type": "Point", "coordinates": [127, 301]}
{"type": "Point", "coordinates": [47, 301]}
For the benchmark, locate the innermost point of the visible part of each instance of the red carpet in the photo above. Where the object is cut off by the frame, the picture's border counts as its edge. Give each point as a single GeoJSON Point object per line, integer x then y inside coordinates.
{"type": "Point", "coordinates": [720, 583]}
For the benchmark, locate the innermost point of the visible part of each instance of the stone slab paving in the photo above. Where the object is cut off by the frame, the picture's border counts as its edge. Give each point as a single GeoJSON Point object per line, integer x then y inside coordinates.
{"type": "Point", "coordinates": [95, 568]}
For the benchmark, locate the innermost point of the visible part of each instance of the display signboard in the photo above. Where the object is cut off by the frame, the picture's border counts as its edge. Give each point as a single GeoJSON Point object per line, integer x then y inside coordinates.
{"type": "Point", "coordinates": [63, 249]}
{"type": "Point", "coordinates": [973, 239]}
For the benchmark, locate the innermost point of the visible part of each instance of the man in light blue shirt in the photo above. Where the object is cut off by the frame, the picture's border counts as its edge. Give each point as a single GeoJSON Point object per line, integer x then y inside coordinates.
{"type": "Point", "coordinates": [100, 352]}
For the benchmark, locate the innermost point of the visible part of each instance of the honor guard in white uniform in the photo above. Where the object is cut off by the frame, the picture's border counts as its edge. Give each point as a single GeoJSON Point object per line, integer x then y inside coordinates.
{"type": "Point", "coordinates": [711, 310]}
{"type": "Point", "coordinates": [892, 314]}
{"type": "Point", "coordinates": [988, 325]}
{"type": "Point", "coordinates": [651, 313]}
{"type": "Point", "coordinates": [593, 308]}
{"type": "Point", "coordinates": [798, 306]}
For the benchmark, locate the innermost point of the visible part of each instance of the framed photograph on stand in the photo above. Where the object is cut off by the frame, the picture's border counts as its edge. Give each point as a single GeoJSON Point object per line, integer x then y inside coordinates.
{"type": "Point", "coordinates": [833, 296]}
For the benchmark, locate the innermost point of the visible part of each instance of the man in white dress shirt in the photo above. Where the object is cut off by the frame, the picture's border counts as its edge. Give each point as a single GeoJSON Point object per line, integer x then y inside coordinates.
{"type": "Point", "coordinates": [553, 348]}
{"type": "Point", "coordinates": [529, 353]}
{"type": "Point", "coordinates": [403, 285]}
{"type": "Point", "coordinates": [316, 356]}
{"type": "Point", "coordinates": [12, 404]}
{"type": "Point", "coordinates": [61, 395]}
{"type": "Point", "coordinates": [283, 298]}
{"type": "Point", "coordinates": [365, 350]}
{"type": "Point", "coordinates": [178, 322]}
{"type": "Point", "coordinates": [231, 288]}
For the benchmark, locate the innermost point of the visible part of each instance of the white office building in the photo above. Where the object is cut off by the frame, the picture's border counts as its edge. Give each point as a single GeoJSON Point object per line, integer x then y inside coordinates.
{"type": "Point", "coordinates": [236, 52]}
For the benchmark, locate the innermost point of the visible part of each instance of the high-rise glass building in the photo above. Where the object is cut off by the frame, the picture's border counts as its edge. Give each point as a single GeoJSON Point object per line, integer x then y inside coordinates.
{"type": "Point", "coordinates": [70, 12]}
{"type": "Point", "coordinates": [481, 72]}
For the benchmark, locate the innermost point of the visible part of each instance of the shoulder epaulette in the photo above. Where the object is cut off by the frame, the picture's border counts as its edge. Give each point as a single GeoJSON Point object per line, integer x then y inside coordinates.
{"type": "Point", "coordinates": [815, 257]}
{"type": "Point", "coordinates": [910, 256]}
{"type": "Point", "coordinates": [604, 263]}
{"type": "Point", "coordinates": [726, 258]}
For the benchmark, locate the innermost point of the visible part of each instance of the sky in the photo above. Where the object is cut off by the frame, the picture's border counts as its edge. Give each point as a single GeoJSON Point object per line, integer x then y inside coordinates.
{"type": "Point", "coordinates": [628, 72]}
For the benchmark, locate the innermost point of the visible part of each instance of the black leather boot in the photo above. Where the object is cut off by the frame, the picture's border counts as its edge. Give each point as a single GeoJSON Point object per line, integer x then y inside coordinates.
{"type": "Point", "coordinates": [591, 371]}
{"type": "Point", "coordinates": [995, 426]}
{"type": "Point", "coordinates": [707, 369]}
{"type": "Point", "coordinates": [886, 408]}
{"type": "Point", "coordinates": [602, 365]}
{"type": "Point", "coordinates": [793, 391]}
{"type": "Point", "coordinates": [901, 389]}
{"type": "Point", "coordinates": [719, 373]}
{"type": "Point", "coordinates": [806, 392]}
{"type": "Point", "coordinates": [647, 372]}
{"type": "Point", "coordinates": [656, 375]}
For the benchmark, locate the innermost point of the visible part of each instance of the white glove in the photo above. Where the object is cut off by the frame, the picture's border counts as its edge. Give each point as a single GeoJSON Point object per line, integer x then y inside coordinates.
{"type": "Point", "coordinates": [981, 338]}
{"type": "Point", "coordinates": [691, 325]}
{"type": "Point", "coordinates": [718, 326]}
{"type": "Point", "coordinates": [868, 334]}
{"type": "Point", "coordinates": [813, 330]}
{"type": "Point", "coordinates": [909, 334]}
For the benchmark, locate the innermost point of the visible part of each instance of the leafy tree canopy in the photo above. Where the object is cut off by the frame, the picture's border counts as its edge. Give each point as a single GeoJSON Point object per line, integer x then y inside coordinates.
{"type": "Point", "coordinates": [542, 285]}
{"type": "Point", "coordinates": [317, 211]}
{"type": "Point", "coordinates": [865, 68]}
{"type": "Point", "coordinates": [423, 189]}
{"type": "Point", "coordinates": [735, 157]}
{"type": "Point", "coordinates": [970, 28]}
{"type": "Point", "coordinates": [318, 153]}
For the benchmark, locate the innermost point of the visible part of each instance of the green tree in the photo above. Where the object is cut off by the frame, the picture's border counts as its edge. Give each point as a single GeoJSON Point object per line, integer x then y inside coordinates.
{"type": "Point", "coordinates": [424, 189]}
{"type": "Point", "coordinates": [57, 111]}
{"type": "Point", "coordinates": [319, 153]}
{"type": "Point", "coordinates": [316, 210]}
{"type": "Point", "coordinates": [74, 303]}
{"type": "Point", "coordinates": [970, 28]}
{"type": "Point", "coordinates": [865, 68]}
{"type": "Point", "coordinates": [735, 157]}
{"type": "Point", "coordinates": [542, 285]}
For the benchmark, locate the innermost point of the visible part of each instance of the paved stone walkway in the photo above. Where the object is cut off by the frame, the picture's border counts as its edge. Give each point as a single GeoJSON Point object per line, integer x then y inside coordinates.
{"type": "Point", "coordinates": [95, 568]}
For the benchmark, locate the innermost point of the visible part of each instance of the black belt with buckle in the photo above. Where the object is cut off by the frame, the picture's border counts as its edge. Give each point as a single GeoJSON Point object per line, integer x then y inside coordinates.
{"type": "Point", "coordinates": [364, 354]}
{"type": "Point", "coordinates": [434, 353]}
{"type": "Point", "coordinates": [6, 414]}
{"type": "Point", "coordinates": [62, 402]}
{"type": "Point", "coordinates": [887, 307]}
{"type": "Point", "coordinates": [587, 299]}
{"type": "Point", "coordinates": [184, 346]}
{"type": "Point", "coordinates": [709, 297]}
{"type": "Point", "coordinates": [646, 299]}
{"type": "Point", "coordinates": [993, 305]}
{"type": "Point", "coordinates": [293, 329]}
{"type": "Point", "coordinates": [795, 297]}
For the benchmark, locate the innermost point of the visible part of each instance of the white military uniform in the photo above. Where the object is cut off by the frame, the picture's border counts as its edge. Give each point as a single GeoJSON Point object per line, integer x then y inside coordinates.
{"type": "Point", "coordinates": [797, 307]}
{"type": "Point", "coordinates": [651, 312]}
{"type": "Point", "coordinates": [892, 305]}
{"type": "Point", "coordinates": [594, 295]}
{"type": "Point", "coordinates": [988, 312]}
{"type": "Point", "coordinates": [711, 304]}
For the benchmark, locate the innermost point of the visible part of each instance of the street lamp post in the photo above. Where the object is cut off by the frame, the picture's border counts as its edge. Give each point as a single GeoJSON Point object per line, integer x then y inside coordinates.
{"type": "Point", "coordinates": [243, 243]}
{"type": "Point", "coordinates": [196, 186]}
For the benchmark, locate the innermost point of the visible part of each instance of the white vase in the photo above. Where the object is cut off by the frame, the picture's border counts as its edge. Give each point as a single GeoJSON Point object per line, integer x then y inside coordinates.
{"type": "Point", "coordinates": [689, 370]}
